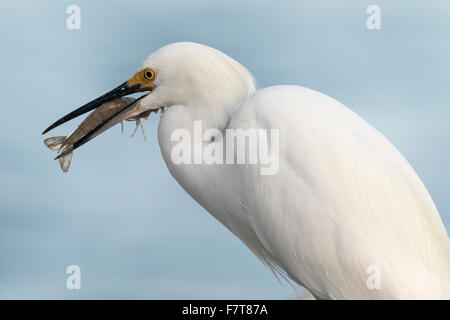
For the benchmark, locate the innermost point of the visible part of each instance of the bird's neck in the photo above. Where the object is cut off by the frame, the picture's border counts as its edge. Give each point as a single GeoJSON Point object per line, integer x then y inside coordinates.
{"type": "Point", "coordinates": [208, 109]}
{"type": "Point", "coordinates": [191, 125]}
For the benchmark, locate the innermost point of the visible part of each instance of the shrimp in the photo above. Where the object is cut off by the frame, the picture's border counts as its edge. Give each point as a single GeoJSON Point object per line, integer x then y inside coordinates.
{"type": "Point", "coordinates": [65, 145]}
{"type": "Point", "coordinates": [144, 115]}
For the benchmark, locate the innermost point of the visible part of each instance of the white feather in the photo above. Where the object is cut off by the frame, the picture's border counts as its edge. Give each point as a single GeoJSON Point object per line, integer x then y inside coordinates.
{"type": "Point", "coordinates": [344, 198]}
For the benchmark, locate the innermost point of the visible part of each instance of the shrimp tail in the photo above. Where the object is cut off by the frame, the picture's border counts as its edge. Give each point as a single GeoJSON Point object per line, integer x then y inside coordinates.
{"type": "Point", "coordinates": [54, 143]}
{"type": "Point", "coordinates": [58, 144]}
{"type": "Point", "coordinates": [64, 161]}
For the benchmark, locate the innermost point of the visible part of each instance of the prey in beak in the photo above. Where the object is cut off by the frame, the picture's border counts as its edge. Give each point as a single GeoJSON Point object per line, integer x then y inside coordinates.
{"type": "Point", "coordinates": [109, 109]}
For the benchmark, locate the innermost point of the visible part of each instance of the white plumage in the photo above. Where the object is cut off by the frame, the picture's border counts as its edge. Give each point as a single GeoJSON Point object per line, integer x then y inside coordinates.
{"type": "Point", "coordinates": [344, 198]}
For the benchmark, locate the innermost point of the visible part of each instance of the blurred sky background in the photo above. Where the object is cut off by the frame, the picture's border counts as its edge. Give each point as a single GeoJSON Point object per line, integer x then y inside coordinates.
{"type": "Point", "coordinates": [118, 213]}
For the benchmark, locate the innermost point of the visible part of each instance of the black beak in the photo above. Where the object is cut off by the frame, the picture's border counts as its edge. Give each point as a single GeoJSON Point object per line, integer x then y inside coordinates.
{"type": "Point", "coordinates": [115, 93]}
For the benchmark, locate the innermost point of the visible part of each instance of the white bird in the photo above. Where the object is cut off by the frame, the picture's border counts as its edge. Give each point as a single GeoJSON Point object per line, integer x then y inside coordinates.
{"type": "Point", "coordinates": [344, 205]}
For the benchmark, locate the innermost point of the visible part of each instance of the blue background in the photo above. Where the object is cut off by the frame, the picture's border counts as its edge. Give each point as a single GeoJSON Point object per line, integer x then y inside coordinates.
{"type": "Point", "coordinates": [118, 213]}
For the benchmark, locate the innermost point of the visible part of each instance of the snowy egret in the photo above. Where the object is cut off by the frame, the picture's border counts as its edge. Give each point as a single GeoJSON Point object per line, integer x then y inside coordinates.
{"type": "Point", "coordinates": [344, 215]}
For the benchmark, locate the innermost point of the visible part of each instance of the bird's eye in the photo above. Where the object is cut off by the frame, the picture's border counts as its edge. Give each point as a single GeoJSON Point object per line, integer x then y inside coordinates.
{"type": "Point", "coordinates": [149, 74]}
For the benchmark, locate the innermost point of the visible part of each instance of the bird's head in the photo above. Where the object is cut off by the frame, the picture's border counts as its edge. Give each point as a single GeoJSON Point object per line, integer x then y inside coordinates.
{"type": "Point", "coordinates": [188, 73]}
{"type": "Point", "coordinates": [180, 73]}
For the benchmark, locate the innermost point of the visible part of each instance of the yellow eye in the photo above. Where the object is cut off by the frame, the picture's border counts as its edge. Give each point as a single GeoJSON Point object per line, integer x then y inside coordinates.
{"type": "Point", "coordinates": [149, 74]}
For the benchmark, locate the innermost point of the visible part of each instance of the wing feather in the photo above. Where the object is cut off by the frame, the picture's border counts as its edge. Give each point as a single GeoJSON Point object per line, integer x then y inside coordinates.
{"type": "Point", "coordinates": [344, 200]}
